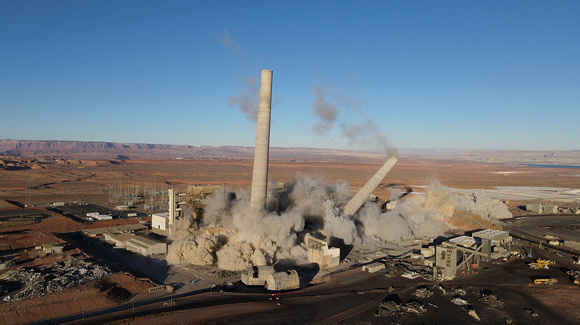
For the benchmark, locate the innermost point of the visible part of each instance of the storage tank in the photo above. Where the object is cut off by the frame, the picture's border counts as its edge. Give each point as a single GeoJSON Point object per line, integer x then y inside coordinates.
{"type": "Point", "coordinates": [287, 280]}
{"type": "Point", "coordinates": [256, 275]}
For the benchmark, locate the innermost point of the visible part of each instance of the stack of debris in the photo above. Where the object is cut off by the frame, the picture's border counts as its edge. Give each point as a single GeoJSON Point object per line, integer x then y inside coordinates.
{"type": "Point", "coordinates": [457, 300]}
{"type": "Point", "coordinates": [396, 268]}
{"type": "Point", "coordinates": [6, 263]}
{"type": "Point", "coordinates": [531, 311]}
{"type": "Point", "coordinates": [394, 308]}
{"type": "Point", "coordinates": [574, 276]}
{"type": "Point", "coordinates": [459, 291]}
{"type": "Point", "coordinates": [491, 300]}
{"type": "Point", "coordinates": [422, 292]}
{"type": "Point", "coordinates": [58, 276]}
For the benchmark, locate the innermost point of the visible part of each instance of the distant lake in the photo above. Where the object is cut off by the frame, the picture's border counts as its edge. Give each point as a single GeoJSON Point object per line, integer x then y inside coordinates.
{"type": "Point", "coordinates": [551, 166]}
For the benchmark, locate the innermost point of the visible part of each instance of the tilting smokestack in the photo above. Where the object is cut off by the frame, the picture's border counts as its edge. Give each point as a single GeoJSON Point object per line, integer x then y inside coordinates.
{"type": "Point", "coordinates": [261, 151]}
{"type": "Point", "coordinates": [361, 197]}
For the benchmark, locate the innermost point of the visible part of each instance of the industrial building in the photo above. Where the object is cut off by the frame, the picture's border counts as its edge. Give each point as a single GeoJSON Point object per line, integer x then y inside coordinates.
{"type": "Point", "coordinates": [196, 195]}
{"type": "Point", "coordinates": [130, 228]}
{"type": "Point", "coordinates": [463, 252]}
{"type": "Point", "coordinates": [52, 248]}
{"type": "Point", "coordinates": [256, 275]}
{"type": "Point", "coordinates": [146, 246]}
{"type": "Point", "coordinates": [160, 223]}
{"type": "Point", "coordinates": [542, 208]}
{"type": "Point", "coordinates": [98, 216]}
{"type": "Point", "coordinates": [140, 244]}
{"type": "Point", "coordinates": [287, 280]}
{"type": "Point", "coordinates": [321, 254]}
{"type": "Point", "coordinates": [491, 241]}
{"type": "Point", "coordinates": [118, 239]}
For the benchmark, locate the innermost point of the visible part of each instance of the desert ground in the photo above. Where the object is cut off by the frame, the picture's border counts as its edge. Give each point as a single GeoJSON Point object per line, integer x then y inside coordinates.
{"type": "Point", "coordinates": [95, 181]}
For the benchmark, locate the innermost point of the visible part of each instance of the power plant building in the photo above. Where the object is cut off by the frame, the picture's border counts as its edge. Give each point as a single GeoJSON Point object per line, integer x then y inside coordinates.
{"type": "Point", "coordinates": [463, 252]}
{"type": "Point", "coordinates": [321, 254]}
{"type": "Point", "coordinates": [146, 246]}
{"type": "Point", "coordinates": [490, 239]}
{"type": "Point", "coordinates": [138, 244]}
{"type": "Point", "coordinates": [256, 275]}
{"type": "Point", "coordinates": [160, 223]}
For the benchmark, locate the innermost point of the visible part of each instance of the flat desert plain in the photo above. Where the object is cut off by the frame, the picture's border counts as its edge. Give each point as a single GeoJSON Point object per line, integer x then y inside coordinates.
{"type": "Point", "coordinates": [94, 180]}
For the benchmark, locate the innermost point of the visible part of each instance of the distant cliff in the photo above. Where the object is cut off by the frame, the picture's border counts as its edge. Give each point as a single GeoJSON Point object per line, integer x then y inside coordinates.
{"type": "Point", "coordinates": [113, 150]}
{"type": "Point", "coordinates": [94, 150]}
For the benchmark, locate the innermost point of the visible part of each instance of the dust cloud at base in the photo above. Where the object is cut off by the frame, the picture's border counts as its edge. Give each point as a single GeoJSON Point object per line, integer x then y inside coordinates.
{"type": "Point", "coordinates": [239, 236]}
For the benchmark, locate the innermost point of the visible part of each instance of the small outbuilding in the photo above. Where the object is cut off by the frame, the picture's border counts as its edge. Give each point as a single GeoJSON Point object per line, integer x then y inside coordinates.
{"type": "Point", "coordinates": [52, 249]}
{"type": "Point", "coordinates": [287, 280]}
{"type": "Point", "coordinates": [256, 275]}
{"type": "Point", "coordinates": [160, 223]}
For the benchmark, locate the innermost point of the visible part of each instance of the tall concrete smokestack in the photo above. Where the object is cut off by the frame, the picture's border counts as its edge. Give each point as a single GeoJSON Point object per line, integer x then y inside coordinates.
{"type": "Point", "coordinates": [361, 197]}
{"type": "Point", "coordinates": [261, 151]}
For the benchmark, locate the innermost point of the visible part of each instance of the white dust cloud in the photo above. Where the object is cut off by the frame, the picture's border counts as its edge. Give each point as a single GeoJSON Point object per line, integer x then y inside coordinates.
{"type": "Point", "coordinates": [232, 236]}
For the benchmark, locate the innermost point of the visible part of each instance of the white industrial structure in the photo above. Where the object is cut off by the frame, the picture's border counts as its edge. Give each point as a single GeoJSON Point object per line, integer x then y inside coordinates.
{"type": "Point", "coordinates": [143, 245]}
{"type": "Point", "coordinates": [321, 254]}
{"type": "Point", "coordinates": [259, 189]}
{"type": "Point", "coordinates": [463, 252]}
{"type": "Point", "coordinates": [161, 223]}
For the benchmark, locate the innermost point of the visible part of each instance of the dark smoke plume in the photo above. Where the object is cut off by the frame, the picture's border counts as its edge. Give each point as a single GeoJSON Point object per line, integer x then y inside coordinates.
{"type": "Point", "coordinates": [368, 134]}
{"type": "Point", "coordinates": [227, 40]}
{"type": "Point", "coordinates": [247, 100]}
{"type": "Point", "coordinates": [363, 134]}
{"type": "Point", "coordinates": [324, 111]}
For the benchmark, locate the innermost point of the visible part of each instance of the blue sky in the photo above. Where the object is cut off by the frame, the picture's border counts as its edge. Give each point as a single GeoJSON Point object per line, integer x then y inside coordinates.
{"type": "Point", "coordinates": [417, 74]}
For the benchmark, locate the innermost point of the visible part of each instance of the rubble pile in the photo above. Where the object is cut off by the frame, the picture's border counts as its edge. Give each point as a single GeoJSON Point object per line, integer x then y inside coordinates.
{"type": "Point", "coordinates": [6, 263]}
{"type": "Point", "coordinates": [531, 312]}
{"type": "Point", "coordinates": [396, 268]}
{"type": "Point", "coordinates": [58, 276]}
{"type": "Point", "coordinates": [422, 292]}
{"type": "Point", "coordinates": [574, 276]}
{"type": "Point", "coordinates": [394, 308]}
{"type": "Point", "coordinates": [224, 274]}
{"type": "Point", "coordinates": [459, 291]}
{"type": "Point", "coordinates": [457, 300]}
{"type": "Point", "coordinates": [492, 301]}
